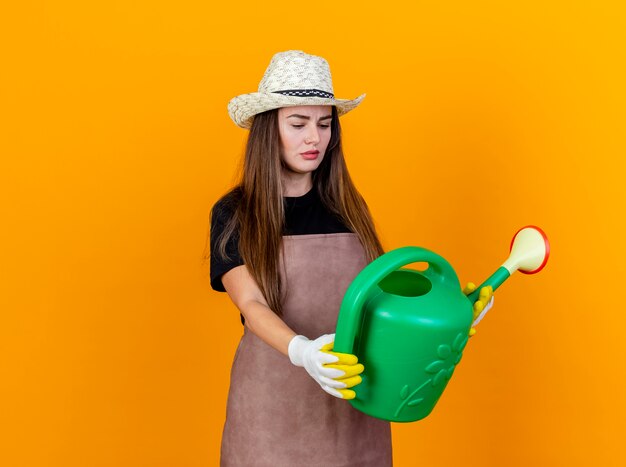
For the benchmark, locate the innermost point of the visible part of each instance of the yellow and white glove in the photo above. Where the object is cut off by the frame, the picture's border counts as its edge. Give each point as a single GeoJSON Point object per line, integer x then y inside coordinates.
{"type": "Point", "coordinates": [482, 305]}
{"type": "Point", "coordinates": [333, 371]}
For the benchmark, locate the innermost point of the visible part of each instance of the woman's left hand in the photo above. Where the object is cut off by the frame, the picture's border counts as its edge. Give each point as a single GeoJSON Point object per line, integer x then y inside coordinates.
{"type": "Point", "coordinates": [482, 305]}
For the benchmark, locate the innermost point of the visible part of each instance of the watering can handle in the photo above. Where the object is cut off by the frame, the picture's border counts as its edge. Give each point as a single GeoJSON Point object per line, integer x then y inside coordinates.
{"type": "Point", "coordinates": [351, 311]}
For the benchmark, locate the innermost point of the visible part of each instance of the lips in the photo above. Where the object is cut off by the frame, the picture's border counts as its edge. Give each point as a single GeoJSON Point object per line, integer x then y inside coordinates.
{"type": "Point", "coordinates": [310, 154]}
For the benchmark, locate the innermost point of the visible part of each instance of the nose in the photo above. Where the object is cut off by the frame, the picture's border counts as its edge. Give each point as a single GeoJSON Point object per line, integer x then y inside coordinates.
{"type": "Point", "coordinates": [313, 135]}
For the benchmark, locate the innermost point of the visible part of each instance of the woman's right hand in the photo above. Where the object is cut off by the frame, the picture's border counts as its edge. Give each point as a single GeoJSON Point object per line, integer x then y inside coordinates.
{"type": "Point", "coordinates": [333, 371]}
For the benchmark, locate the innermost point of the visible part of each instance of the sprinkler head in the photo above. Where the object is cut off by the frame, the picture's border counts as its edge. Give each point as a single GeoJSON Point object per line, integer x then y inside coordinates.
{"type": "Point", "coordinates": [529, 250]}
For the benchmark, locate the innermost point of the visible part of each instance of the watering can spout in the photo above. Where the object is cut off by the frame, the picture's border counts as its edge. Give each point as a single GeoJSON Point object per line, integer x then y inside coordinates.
{"type": "Point", "coordinates": [528, 254]}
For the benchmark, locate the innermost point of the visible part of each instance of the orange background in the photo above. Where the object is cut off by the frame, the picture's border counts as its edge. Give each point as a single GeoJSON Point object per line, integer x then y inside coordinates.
{"type": "Point", "coordinates": [480, 118]}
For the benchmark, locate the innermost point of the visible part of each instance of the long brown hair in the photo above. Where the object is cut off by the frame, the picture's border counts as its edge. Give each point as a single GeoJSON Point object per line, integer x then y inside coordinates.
{"type": "Point", "coordinates": [259, 211]}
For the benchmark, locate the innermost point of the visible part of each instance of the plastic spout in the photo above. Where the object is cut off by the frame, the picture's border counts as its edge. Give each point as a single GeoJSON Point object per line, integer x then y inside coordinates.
{"type": "Point", "coordinates": [495, 281]}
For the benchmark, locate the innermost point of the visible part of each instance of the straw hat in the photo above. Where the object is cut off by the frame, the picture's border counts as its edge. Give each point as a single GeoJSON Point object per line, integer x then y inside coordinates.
{"type": "Point", "coordinates": [292, 78]}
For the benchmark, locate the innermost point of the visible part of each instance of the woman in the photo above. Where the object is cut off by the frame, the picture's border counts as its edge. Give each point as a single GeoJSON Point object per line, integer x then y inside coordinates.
{"type": "Point", "coordinates": [285, 244]}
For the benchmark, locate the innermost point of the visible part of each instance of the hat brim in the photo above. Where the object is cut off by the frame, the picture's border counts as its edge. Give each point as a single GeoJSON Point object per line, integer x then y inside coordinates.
{"type": "Point", "coordinates": [244, 107]}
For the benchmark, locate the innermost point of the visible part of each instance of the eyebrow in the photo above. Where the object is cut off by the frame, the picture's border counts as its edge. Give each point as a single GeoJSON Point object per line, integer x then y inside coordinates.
{"type": "Point", "coordinates": [306, 117]}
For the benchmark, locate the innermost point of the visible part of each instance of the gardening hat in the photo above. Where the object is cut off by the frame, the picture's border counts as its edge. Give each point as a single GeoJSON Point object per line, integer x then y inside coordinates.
{"type": "Point", "coordinates": [292, 78]}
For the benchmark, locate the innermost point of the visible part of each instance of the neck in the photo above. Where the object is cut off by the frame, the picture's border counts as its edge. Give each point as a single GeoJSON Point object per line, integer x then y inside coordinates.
{"type": "Point", "coordinates": [296, 184]}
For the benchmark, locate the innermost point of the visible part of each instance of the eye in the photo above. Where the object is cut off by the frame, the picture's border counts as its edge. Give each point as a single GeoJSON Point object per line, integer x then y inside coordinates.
{"type": "Point", "coordinates": [324, 126]}
{"type": "Point", "coordinates": [297, 126]}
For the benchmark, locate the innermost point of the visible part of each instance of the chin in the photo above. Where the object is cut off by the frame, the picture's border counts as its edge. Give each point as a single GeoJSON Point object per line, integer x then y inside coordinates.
{"type": "Point", "coordinates": [304, 167]}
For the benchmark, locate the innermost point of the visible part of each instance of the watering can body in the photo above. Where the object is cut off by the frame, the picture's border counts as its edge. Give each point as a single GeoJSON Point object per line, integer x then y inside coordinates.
{"type": "Point", "coordinates": [409, 329]}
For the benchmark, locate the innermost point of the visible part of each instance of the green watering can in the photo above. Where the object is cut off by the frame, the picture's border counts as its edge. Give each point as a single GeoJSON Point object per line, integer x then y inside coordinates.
{"type": "Point", "coordinates": [409, 328]}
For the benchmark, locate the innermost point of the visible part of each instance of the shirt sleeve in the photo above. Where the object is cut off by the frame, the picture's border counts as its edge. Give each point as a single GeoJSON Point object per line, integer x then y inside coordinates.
{"type": "Point", "coordinates": [220, 215]}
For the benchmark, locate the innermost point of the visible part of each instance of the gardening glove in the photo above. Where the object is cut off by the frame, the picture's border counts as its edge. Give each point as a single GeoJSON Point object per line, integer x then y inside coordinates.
{"type": "Point", "coordinates": [482, 305]}
{"type": "Point", "coordinates": [333, 371]}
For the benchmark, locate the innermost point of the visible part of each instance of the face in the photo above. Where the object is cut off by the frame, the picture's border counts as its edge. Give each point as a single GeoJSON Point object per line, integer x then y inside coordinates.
{"type": "Point", "coordinates": [304, 133]}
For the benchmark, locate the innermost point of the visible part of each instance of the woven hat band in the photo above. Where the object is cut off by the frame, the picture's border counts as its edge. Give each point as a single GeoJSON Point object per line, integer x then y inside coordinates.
{"type": "Point", "coordinates": [306, 93]}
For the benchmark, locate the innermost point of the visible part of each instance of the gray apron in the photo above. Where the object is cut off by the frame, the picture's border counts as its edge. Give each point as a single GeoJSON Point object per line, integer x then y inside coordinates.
{"type": "Point", "coordinates": [277, 415]}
